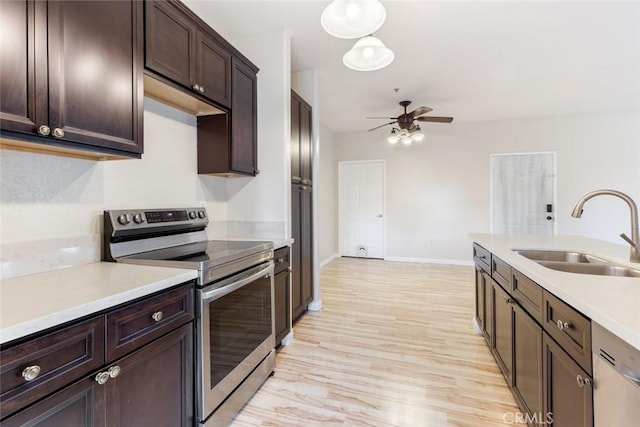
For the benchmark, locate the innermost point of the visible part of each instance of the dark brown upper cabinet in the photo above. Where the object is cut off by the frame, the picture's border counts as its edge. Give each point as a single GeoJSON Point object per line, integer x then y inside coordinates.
{"type": "Point", "coordinates": [301, 141]}
{"type": "Point", "coordinates": [72, 77]}
{"type": "Point", "coordinates": [177, 48]}
{"type": "Point", "coordinates": [228, 144]}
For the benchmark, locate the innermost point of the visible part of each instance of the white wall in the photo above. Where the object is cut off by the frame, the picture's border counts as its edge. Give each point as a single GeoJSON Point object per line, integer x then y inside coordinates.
{"type": "Point", "coordinates": [265, 197]}
{"type": "Point", "coordinates": [438, 190]}
{"type": "Point", "coordinates": [327, 197]}
{"type": "Point", "coordinates": [45, 196]}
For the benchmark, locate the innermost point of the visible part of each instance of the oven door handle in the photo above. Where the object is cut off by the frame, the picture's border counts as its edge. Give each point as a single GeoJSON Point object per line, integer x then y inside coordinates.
{"type": "Point", "coordinates": [219, 292]}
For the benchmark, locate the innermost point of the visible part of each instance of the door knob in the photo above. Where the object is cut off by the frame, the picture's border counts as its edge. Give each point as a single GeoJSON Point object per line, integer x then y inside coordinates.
{"type": "Point", "coordinates": [379, 215]}
{"type": "Point", "coordinates": [549, 218]}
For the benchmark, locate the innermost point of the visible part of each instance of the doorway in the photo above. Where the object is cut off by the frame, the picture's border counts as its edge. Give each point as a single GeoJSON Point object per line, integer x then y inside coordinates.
{"type": "Point", "coordinates": [523, 193]}
{"type": "Point", "coordinates": [361, 208]}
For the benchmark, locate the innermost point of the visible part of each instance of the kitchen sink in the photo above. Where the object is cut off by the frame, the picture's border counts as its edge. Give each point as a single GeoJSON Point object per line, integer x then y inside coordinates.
{"type": "Point", "coordinates": [607, 269]}
{"type": "Point", "coordinates": [559, 256]}
{"type": "Point", "coordinates": [577, 262]}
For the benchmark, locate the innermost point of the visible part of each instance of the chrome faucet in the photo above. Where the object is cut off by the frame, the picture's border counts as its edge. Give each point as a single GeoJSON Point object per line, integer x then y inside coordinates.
{"type": "Point", "coordinates": [634, 241]}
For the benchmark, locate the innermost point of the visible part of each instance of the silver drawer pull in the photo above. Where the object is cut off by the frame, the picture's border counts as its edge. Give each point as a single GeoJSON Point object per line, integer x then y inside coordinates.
{"type": "Point", "coordinates": [582, 382]}
{"type": "Point", "coordinates": [157, 316]}
{"type": "Point", "coordinates": [113, 371]}
{"type": "Point", "coordinates": [30, 373]}
{"type": "Point", "coordinates": [102, 377]}
{"type": "Point", "coordinates": [563, 326]}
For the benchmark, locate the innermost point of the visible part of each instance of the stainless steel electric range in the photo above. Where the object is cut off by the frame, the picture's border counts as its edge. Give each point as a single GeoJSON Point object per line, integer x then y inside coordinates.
{"type": "Point", "coordinates": [235, 335]}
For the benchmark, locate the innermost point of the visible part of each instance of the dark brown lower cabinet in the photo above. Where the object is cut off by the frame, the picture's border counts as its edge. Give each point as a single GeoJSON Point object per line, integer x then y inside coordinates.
{"type": "Point", "coordinates": [81, 404]}
{"type": "Point", "coordinates": [527, 364]}
{"type": "Point", "coordinates": [302, 249]}
{"type": "Point", "coordinates": [282, 309]}
{"type": "Point", "coordinates": [155, 384]}
{"type": "Point", "coordinates": [154, 388]}
{"type": "Point", "coordinates": [568, 397]}
{"type": "Point", "coordinates": [502, 330]}
{"type": "Point", "coordinates": [483, 304]}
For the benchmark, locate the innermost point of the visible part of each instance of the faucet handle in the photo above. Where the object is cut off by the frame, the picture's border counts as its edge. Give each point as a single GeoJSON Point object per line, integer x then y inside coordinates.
{"type": "Point", "coordinates": [635, 245]}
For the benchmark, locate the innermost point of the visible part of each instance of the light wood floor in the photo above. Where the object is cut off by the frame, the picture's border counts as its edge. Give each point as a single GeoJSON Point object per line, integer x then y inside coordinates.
{"type": "Point", "coordinates": [392, 346]}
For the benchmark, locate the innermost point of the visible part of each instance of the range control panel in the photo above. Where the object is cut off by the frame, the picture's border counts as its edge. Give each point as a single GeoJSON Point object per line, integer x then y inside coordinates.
{"type": "Point", "coordinates": [141, 219]}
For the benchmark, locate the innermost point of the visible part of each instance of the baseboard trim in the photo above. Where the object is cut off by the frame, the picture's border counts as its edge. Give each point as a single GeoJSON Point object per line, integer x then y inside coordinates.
{"type": "Point", "coordinates": [430, 261]}
{"type": "Point", "coordinates": [315, 305]}
{"type": "Point", "coordinates": [329, 259]}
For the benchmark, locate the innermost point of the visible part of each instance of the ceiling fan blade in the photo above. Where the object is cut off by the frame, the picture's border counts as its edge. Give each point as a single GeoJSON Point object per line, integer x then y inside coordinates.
{"type": "Point", "coordinates": [420, 111]}
{"type": "Point", "coordinates": [435, 119]}
{"type": "Point", "coordinates": [392, 118]}
{"type": "Point", "coordinates": [386, 124]}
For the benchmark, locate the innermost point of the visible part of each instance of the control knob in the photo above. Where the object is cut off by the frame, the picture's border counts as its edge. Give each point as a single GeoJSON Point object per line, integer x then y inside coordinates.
{"type": "Point", "coordinates": [200, 214]}
{"type": "Point", "coordinates": [124, 219]}
{"type": "Point", "coordinates": [192, 214]}
{"type": "Point", "coordinates": [138, 219]}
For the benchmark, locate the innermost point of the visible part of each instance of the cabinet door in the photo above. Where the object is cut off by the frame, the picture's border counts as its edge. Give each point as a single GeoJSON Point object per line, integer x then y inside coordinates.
{"type": "Point", "coordinates": [568, 395]}
{"type": "Point", "coordinates": [488, 310]}
{"type": "Point", "coordinates": [306, 143]}
{"type": "Point", "coordinates": [281, 305]}
{"type": "Point", "coordinates": [155, 385]}
{"type": "Point", "coordinates": [527, 362]}
{"type": "Point", "coordinates": [244, 137]}
{"type": "Point", "coordinates": [480, 305]}
{"type": "Point", "coordinates": [170, 43]}
{"type": "Point", "coordinates": [306, 246]}
{"type": "Point", "coordinates": [213, 70]}
{"type": "Point", "coordinates": [23, 26]}
{"type": "Point", "coordinates": [95, 73]}
{"type": "Point", "coordinates": [296, 251]}
{"type": "Point", "coordinates": [79, 405]}
{"type": "Point", "coordinates": [295, 139]}
{"type": "Point", "coordinates": [503, 331]}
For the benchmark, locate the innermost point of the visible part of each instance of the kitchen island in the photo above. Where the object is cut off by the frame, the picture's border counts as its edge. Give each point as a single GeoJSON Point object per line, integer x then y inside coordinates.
{"type": "Point", "coordinates": [613, 302]}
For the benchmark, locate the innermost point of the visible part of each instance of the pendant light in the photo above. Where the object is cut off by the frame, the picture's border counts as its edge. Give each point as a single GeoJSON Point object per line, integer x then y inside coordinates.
{"type": "Point", "coordinates": [352, 19]}
{"type": "Point", "coordinates": [368, 54]}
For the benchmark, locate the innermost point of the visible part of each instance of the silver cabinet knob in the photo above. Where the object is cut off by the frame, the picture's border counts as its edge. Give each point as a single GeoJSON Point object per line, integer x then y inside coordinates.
{"type": "Point", "coordinates": [157, 316]}
{"type": "Point", "coordinates": [563, 326]}
{"type": "Point", "coordinates": [58, 133]}
{"type": "Point", "coordinates": [583, 382]}
{"type": "Point", "coordinates": [102, 377]}
{"type": "Point", "coordinates": [30, 373]}
{"type": "Point", "coordinates": [113, 371]}
{"type": "Point", "coordinates": [508, 300]}
{"type": "Point", "coordinates": [201, 89]}
{"type": "Point", "coordinates": [196, 88]}
{"type": "Point", "coordinates": [44, 130]}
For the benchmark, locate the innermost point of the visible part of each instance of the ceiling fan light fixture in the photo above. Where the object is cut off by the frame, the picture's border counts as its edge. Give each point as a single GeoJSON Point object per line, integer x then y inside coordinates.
{"type": "Point", "coordinates": [368, 54]}
{"type": "Point", "coordinates": [407, 141]}
{"type": "Point", "coordinates": [352, 19]}
{"type": "Point", "coordinates": [417, 135]}
{"type": "Point", "coordinates": [393, 138]}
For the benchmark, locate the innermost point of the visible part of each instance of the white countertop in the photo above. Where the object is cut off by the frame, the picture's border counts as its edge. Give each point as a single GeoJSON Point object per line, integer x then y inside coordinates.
{"type": "Point", "coordinates": [613, 302]}
{"type": "Point", "coordinates": [278, 242]}
{"type": "Point", "coordinates": [36, 302]}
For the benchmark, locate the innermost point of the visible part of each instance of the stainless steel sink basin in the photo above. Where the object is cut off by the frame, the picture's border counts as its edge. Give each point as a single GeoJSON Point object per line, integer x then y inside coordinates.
{"type": "Point", "coordinates": [608, 269]}
{"type": "Point", "coordinates": [559, 256]}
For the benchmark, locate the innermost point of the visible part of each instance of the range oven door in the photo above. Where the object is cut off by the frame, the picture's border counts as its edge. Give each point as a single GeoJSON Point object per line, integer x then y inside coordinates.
{"type": "Point", "coordinates": [236, 332]}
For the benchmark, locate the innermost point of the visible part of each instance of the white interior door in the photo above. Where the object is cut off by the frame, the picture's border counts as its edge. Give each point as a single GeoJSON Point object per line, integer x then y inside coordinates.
{"type": "Point", "coordinates": [361, 206]}
{"type": "Point", "coordinates": [523, 193]}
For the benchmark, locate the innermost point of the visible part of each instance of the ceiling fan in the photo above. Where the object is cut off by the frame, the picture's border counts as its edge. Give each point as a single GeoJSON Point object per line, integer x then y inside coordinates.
{"type": "Point", "coordinates": [406, 120]}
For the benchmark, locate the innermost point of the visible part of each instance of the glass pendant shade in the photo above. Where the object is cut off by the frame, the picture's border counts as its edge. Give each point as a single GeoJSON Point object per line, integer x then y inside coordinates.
{"type": "Point", "coordinates": [352, 19]}
{"type": "Point", "coordinates": [368, 54]}
{"type": "Point", "coordinates": [417, 135]}
{"type": "Point", "coordinates": [393, 138]}
{"type": "Point", "coordinates": [408, 140]}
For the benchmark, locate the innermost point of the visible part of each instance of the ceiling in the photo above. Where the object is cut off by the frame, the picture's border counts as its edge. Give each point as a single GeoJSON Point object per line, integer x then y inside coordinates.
{"type": "Point", "coordinates": [475, 60]}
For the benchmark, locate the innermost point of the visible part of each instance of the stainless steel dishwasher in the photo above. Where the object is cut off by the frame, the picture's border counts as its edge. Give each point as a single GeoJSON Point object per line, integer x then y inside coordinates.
{"type": "Point", "coordinates": [616, 377]}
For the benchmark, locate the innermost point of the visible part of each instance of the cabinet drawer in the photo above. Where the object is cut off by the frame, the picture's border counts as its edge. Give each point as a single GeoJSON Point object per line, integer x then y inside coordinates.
{"type": "Point", "coordinates": [501, 272]}
{"type": "Point", "coordinates": [61, 358]}
{"type": "Point", "coordinates": [482, 257]}
{"type": "Point", "coordinates": [282, 259]}
{"type": "Point", "coordinates": [569, 328]}
{"type": "Point", "coordinates": [139, 323]}
{"type": "Point", "coordinates": [527, 293]}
